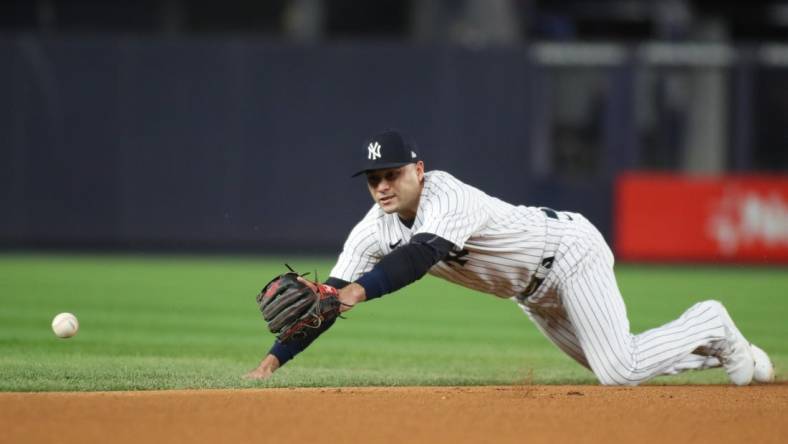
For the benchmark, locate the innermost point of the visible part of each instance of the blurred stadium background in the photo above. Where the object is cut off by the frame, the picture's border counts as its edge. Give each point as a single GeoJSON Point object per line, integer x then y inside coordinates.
{"type": "Point", "coordinates": [177, 125]}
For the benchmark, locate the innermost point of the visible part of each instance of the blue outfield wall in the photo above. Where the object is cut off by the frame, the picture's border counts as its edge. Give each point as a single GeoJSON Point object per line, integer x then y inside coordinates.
{"type": "Point", "coordinates": [130, 142]}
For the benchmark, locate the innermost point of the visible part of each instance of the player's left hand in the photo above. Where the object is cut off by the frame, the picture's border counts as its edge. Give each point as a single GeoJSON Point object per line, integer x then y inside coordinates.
{"type": "Point", "coordinates": [291, 304]}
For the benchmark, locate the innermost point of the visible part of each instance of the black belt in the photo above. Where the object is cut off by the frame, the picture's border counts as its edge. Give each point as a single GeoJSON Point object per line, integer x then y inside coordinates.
{"type": "Point", "coordinates": [539, 276]}
{"type": "Point", "coordinates": [546, 264]}
{"type": "Point", "coordinates": [552, 214]}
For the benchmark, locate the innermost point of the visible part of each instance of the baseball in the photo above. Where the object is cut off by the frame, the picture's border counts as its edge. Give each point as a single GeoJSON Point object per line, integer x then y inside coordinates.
{"type": "Point", "coordinates": [65, 325]}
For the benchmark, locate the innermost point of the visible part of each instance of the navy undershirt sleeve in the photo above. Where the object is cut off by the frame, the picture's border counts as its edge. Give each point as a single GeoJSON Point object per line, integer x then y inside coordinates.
{"type": "Point", "coordinates": [405, 265]}
{"type": "Point", "coordinates": [287, 351]}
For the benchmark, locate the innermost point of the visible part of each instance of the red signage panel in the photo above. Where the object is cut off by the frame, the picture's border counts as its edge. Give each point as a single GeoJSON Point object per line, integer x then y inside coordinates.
{"type": "Point", "coordinates": [670, 217]}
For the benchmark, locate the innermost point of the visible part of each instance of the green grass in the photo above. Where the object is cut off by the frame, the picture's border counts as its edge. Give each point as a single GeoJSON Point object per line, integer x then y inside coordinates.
{"type": "Point", "coordinates": [162, 322]}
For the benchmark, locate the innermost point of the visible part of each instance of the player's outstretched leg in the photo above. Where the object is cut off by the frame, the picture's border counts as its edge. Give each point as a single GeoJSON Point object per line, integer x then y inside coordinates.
{"type": "Point", "coordinates": [617, 357]}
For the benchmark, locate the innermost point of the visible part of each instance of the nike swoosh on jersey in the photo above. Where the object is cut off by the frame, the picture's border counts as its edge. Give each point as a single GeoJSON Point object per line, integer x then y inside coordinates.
{"type": "Point", "coordinates": [394, 245]}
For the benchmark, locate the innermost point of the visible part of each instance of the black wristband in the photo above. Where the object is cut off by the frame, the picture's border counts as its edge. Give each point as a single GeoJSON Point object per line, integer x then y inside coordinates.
{"type": "Point", "coordinates": [404, 265]}
{"type": "Point", "coordinates": [285, 351]}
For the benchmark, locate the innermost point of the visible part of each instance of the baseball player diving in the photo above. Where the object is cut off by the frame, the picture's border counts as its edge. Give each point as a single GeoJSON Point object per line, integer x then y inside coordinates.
{"type": "Point", "coordinates": [554, 264]}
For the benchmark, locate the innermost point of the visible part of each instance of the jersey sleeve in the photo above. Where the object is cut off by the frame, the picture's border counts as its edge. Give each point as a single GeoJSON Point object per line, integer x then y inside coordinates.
{"type": "Point", "coordinates": [452, 210]}
{"type": "Point", "coordinates": [362, 250]}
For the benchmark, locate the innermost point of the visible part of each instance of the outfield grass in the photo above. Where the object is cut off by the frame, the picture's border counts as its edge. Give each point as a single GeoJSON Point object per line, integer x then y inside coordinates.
{"type": "Point", "coordinates": [160, 322]}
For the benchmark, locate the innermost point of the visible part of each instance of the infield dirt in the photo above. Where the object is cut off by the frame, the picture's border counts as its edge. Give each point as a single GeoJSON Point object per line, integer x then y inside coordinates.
{"type": "Point", "coordinates": [720, 414]}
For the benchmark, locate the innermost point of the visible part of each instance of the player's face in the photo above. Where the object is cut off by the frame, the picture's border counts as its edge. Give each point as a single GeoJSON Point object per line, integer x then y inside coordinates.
{"type": "Point", "coordinates": [397, 190]}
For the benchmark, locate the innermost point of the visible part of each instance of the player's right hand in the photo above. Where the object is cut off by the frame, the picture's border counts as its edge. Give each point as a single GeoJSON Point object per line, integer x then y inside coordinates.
{"type": "Point", "coordinates": [266, 368]}
{"type": "Point", "coordinates": [351, 295]}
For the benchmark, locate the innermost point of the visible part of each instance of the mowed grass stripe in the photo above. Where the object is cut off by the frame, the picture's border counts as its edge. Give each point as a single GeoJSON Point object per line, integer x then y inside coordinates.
{"type": "Point", "coordinates": [158, 322]}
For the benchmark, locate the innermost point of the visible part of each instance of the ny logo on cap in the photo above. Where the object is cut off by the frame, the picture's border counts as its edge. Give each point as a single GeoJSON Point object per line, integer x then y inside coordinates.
{"type": "Point", "coordinates": [374, 151]}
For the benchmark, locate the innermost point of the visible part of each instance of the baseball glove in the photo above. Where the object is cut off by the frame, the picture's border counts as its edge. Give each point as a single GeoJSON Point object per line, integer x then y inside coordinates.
{"type": "Point", "coordinates": [290, 305]}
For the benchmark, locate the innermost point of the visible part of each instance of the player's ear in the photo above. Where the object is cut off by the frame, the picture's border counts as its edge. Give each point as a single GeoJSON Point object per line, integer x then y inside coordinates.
{"type": "Point", "coordinates": [420, 170]}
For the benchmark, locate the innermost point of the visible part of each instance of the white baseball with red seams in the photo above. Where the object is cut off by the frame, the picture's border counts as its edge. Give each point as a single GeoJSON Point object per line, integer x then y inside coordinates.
{"type": "Point", "coordinates": [65, 325]}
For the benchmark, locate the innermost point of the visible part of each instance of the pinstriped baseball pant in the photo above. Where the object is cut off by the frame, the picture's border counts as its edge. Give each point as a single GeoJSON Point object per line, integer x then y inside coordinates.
{"type": "Point", "coordinates": [580, 309]}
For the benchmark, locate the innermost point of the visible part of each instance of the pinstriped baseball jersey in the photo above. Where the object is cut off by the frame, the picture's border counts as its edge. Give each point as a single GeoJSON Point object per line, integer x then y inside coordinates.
{"type": "Point", "coordinates": [504, 249]}
{"type": "Point", "coordinates": [497, 245]}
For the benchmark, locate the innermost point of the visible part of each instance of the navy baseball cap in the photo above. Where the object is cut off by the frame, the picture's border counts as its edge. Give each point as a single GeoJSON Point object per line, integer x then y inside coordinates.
{"type": "Point", "coordinates": [386, 150]}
